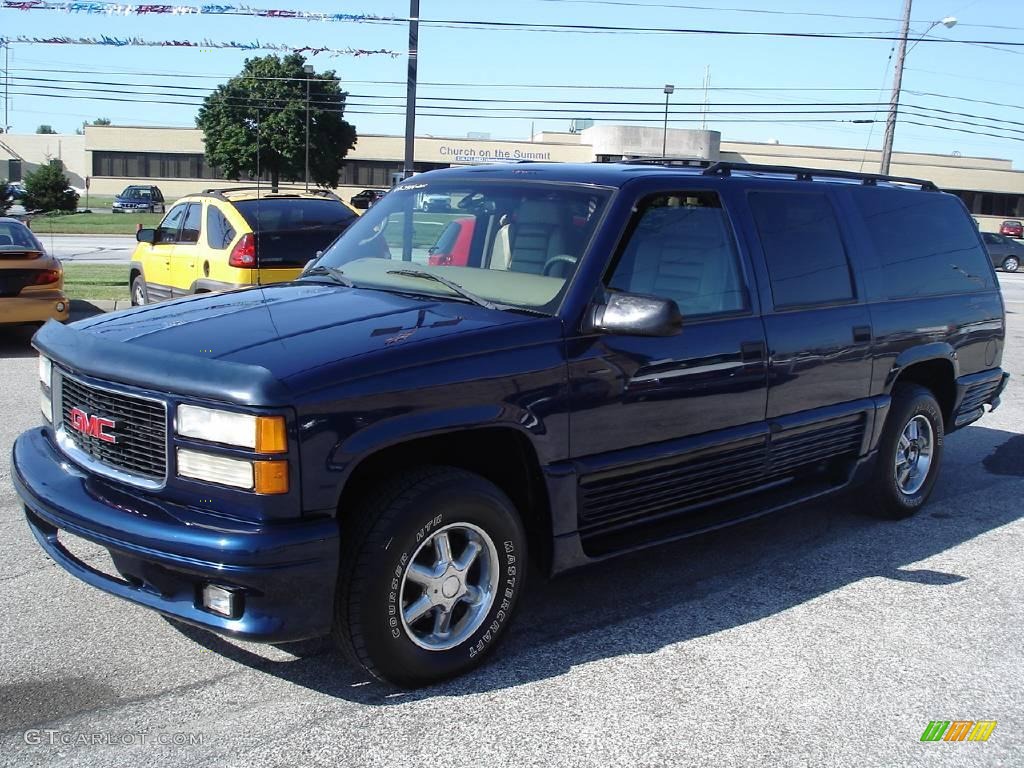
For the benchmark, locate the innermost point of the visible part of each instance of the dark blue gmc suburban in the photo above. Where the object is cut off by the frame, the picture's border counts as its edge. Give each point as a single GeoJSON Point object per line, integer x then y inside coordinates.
{"type": "Point", "coordinates": [626, 354]}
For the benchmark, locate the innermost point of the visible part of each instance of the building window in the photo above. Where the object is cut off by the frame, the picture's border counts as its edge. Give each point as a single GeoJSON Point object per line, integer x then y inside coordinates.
{"type": "Point", "coordinates": [153, 165]}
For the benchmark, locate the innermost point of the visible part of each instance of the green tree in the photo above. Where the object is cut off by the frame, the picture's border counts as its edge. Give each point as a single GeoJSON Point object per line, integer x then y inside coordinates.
{"type": "Point", "coordinates": [257, 121]}
{"type": "Point", "coordinates": [45, 129]}
{"type": "Point", "coordinates": [47, 189]}
{"type": "Point", "coordinates": [101, 121]}
{"type": "Point", "coordinates": [5, 198]}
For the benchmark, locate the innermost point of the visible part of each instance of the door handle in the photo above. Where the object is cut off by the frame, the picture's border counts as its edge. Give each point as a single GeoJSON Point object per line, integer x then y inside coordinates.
{"type": "Point", "coordinates": [862, 334]}
{"type": "Point", "coordinates": [752, 351]}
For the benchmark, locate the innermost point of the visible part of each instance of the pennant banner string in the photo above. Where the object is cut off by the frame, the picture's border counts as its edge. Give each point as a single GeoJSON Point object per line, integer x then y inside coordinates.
{"type": "Point", "coordinates": [125, 9]}
{"type": "Point", "coordinates": [255, 45]}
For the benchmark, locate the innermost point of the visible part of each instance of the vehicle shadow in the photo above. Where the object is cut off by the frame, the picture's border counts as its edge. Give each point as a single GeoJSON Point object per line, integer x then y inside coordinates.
{"type": "Point", "coordinates": [16, 341]}
{"type": "Point", "coordinates": [673, 593]}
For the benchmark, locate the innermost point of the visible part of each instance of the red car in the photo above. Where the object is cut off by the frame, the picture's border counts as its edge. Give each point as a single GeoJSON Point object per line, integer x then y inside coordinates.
{"type": "Point", "coordinates": [452, 247]}
{"type": "Point", "coordinates": [1012, 228]}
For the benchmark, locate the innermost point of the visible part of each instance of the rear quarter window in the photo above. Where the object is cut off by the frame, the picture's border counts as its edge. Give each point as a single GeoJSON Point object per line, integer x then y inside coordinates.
{"type": "Point", "coordinates": [926, 245]}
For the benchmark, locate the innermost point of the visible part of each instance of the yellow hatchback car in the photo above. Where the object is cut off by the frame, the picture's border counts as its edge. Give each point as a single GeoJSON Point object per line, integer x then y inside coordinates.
{"type": "Point", "coordinates": [229, 238]}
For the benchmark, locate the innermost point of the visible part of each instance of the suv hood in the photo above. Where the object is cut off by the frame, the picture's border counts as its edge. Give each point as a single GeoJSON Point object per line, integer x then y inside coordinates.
{"type": "Point", "coordinates": [255, 339]}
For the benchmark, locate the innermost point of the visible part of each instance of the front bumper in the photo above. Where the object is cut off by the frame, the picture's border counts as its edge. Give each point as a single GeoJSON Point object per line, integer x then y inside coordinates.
{"type": "Point", "coordinates": [35, 308]}
{"type": "Point", "coordinates": [165, 552]}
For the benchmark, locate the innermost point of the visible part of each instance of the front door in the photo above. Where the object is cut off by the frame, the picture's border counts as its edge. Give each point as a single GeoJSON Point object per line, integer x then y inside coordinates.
{"type": "Point", "coordinates": [662, 424]}
{"type": "Point", "coordinates": [183, 257]}
{"type": "Point", "coordinates": [156, 261]}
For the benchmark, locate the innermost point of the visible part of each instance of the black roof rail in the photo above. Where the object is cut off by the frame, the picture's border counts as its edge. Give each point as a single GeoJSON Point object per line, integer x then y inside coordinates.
{"type": "Point", "coordinates": [669, 162]}
{"type": "Point", "coordinates": [219, 193]}
{"type": "Point", "coordinates": [808, 174]}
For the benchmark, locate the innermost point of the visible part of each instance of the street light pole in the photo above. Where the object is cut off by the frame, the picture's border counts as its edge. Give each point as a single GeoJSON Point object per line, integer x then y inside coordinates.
{"type": "Point", "coordinates": [897, 80]}
{"type": "Point", "coordinates": [408, 167]}
{"type": "Point", "coordinates": [308, 69]}
{"type": "Point", "coordinates": [669, 89]}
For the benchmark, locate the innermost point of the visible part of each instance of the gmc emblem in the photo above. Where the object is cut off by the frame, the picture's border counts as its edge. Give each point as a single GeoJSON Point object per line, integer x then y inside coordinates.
{"type": "Point", "coordinates": [93, 426]}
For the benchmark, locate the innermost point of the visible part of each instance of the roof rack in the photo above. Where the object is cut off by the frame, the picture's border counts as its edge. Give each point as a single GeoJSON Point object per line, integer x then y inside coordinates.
{"type": "Point", "coordinates": [219, 193]}
{"type": "Point", "coordinates": [808, 174]}
{"type": "Point", "coordinates": [669, 162]}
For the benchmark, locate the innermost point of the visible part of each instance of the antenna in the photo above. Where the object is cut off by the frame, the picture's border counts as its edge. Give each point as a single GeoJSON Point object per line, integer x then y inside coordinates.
{"type": "Point", "coordinates": [259, 194]}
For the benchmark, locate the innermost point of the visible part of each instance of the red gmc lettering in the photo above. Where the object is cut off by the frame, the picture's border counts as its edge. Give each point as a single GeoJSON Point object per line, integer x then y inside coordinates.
{"type": "Point", "coordinates": [93, 426]}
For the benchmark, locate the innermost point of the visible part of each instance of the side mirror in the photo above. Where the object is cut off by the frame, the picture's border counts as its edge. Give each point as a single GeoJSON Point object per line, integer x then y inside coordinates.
{"type": "Point", "coordinates": [311, 262]}
{"type": "Point", "coordinates": [632, 314]}
{"type": "Point", "coordinates": [146, 236]}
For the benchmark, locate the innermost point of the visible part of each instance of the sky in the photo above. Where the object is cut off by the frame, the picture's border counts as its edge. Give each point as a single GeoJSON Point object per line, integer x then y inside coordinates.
{"type": "Point", "coordinates": [618, 67]}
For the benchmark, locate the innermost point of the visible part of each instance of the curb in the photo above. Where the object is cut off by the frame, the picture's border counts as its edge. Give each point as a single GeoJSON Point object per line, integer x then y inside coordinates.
{"type": "Point", "coordinates": [97, 306]}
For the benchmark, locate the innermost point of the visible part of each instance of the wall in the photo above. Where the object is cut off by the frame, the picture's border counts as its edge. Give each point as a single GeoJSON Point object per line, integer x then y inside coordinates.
{"type": "Point", "coordinates": [37, 149]}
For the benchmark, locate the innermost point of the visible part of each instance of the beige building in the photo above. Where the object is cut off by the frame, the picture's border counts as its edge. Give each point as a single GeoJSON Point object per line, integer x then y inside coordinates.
{"type": "Point", "coordinates": [111, 157]}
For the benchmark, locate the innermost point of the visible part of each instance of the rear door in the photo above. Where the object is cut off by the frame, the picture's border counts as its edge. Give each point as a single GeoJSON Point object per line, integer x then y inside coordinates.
{"type": "Point", "coordinates": [817, 322]}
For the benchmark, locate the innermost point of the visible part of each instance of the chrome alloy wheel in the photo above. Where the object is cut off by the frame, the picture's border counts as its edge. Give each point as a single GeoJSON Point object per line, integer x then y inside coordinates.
{"type": "Point", "coordinates": [914, 455]}
{"type": "Point", "coordinates": [446, 597]}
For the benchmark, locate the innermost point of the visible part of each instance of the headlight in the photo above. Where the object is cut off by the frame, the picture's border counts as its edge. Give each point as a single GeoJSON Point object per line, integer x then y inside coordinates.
{"type": "Point", "coordinates": [45, 371]}
{"type": "Point", "coordinates": [264, 434]}
{"type": "Point", "coordinates": [45, 396]}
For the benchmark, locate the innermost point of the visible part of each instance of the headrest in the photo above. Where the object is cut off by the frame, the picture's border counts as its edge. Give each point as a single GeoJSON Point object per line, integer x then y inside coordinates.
{"type": "Point", "coordinates": [539, 212]}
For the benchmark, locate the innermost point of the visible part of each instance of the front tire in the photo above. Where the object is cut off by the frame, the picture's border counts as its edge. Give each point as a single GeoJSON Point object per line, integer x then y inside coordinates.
{"type": "Point", "coordinates": [1011, 264]}
{"type": "Point", "coordinates": [909, 454]}
{"type": "Point", "coordinates": [140, 295]}
{"type": "Point", "coordinates": [430, 574]}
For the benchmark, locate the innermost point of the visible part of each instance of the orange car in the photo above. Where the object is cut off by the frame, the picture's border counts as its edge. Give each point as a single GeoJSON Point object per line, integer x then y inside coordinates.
{"type": "Point", "coordinates": [31, 281]}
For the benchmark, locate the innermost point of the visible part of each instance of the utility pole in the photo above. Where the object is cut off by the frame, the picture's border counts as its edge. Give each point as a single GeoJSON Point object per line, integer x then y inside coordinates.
{"type": "Point", "coordinates": [664, 131]}
{"type": "Point", "coordinates": [7, 83]}
{"type": "Point", "coordinates": [410, 95]}
{"type": "Point", "coordinates": [308, 69]}
{"type": "Point", "coordinates": [897, 82]}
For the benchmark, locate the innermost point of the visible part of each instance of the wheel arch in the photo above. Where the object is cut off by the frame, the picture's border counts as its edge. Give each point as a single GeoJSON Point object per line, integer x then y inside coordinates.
{"type": "Point", "coordinates": [501, 454]}
{"type": "Point", "coordinates": [933, 367]}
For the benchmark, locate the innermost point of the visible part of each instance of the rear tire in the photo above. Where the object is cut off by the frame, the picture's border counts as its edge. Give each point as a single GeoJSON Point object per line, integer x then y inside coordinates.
{"type": "Point", "coordinates": [909, 454]}
{"type": "Point", "coordinates": [431, 570]}
{"type": "Point", "coordinates": [1011, 264]}
{"type": "Point", "coordinates": [140, 295]}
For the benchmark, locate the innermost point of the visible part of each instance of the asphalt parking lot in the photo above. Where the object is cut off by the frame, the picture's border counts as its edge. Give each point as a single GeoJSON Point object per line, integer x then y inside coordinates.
{"type": "Point", "coordinates": [814, 637]}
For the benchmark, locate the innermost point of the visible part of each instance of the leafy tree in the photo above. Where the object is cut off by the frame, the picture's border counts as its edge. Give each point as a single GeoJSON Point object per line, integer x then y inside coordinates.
{"type": "Point", "coordinates": [101, 121]}
{"type": "Point", "coordinates": [47, 189]}
{"type": "Point", "coordinates": [45, 129]}
{"type": "Point", "coordinates": [264, 107]}
{"type": "Point", "coordinates": [5, 197]}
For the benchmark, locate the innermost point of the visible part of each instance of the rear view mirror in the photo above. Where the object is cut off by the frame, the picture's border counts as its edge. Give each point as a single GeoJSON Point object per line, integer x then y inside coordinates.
{"type": "Point", "coordinates": [632, 314]}
{"type": "Point", "coordinates": [146, 236]}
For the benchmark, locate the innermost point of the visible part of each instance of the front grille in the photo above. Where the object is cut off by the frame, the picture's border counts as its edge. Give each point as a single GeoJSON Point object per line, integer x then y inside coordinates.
{"type": "Point", "coordinates": [140, 429]}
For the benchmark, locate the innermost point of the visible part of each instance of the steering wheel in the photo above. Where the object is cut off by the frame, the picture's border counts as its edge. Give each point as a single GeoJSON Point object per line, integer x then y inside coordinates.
{"type": "Point", "coordinates": [559, 259]}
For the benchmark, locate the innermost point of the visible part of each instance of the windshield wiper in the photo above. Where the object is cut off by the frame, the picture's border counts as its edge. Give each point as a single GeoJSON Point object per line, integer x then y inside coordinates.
{"type": "Point", "coordinates": [450, 284]}
{"type": "Point", "coordinates": [335, 274]}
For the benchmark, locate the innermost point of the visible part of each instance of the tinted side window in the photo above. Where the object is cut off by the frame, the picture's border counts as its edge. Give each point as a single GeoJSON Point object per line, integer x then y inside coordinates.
{"type": "Point", "coordinates": [800, 236]}
{"type": "Point", "coordinates": [193, 221]}
{"type": "Point", "coordinates": [925, 242]}
{"type": "Point", "coordinates": [681, 248]}
{"type": "Point", "coordinates": [219, 233]}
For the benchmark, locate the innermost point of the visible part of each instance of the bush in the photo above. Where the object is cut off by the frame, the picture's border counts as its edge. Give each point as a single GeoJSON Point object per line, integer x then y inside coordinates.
{"type": "Point", "coordinates": [47, 189]}
{"type": "Point", "coordinates": [5, 198]}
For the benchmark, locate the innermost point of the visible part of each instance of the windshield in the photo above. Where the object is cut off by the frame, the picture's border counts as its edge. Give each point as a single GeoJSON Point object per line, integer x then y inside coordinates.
{"type": "Point", "coordinates": [514, 244]}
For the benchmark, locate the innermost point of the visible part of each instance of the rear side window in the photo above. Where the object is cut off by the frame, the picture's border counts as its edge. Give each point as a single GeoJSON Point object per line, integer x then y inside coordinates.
{"type": "Point", "coordinates": [926, 245]}
{"type": "Point", "coordinates": [219, 233]}
{"type": "Point", "coordinates": [806, 259]}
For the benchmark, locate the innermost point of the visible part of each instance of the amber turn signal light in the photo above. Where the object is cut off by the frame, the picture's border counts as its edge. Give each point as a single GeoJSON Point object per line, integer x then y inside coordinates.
{"type": "Point", "coordinates": [270, 434]}
{"type": "Point", "coordinates": [271, 476]}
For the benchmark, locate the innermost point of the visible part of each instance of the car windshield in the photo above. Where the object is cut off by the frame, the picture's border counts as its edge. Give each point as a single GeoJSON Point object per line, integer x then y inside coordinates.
{"type": "Point", "coordinates": [135, 193]}
{"type": "Point", "coordinates": [513, 244]}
